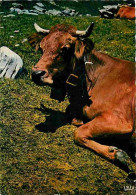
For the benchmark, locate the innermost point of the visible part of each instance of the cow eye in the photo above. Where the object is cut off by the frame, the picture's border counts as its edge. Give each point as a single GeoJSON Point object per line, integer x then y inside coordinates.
{"type": "Point", "coordinates": [64, 50]}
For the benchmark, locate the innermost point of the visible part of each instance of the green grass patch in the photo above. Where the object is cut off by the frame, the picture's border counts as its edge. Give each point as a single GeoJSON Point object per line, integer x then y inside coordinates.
{"type": "Point", "coordinates": [38, 153]}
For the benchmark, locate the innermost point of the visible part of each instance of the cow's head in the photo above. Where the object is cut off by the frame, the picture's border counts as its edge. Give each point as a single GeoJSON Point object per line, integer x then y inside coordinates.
{"type": "Point", "coordinates": [61, 46]}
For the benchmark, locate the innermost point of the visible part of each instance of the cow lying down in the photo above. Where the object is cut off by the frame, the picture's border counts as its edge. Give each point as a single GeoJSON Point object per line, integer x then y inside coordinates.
{"type": "Point", "coordinates": [100, 88]}
{"type": "Point", "coordinates": [126, 12]}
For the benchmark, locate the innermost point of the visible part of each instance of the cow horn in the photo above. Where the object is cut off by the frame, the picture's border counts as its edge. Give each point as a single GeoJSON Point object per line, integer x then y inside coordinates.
{"type": "Point", "coordinates": [39, 29]}
{"type": "Point", "coordinates": [87, 32]}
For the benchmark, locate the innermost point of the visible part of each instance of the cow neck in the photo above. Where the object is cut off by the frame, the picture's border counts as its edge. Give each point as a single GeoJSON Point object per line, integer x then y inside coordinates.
{"type": "Point", "coordinates": [89, 67]}
{"type": "Point", "coordinates": [93, 62]}
{"type": "Point", "coordinates": [76, 85]}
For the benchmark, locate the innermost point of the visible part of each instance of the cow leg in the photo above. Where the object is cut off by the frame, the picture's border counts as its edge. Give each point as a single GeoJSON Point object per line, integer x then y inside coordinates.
{"type": "Point", "coordinates": [104, 126]}
{"type": "Point", "coordinates": [74, 115]}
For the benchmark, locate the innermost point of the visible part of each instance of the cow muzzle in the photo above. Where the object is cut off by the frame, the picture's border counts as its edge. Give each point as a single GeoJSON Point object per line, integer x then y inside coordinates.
{"type": "Point", "coordinates": [37, 76]}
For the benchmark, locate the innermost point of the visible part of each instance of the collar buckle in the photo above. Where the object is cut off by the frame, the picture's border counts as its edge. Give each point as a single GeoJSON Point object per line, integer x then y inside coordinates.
{"type": "Point", "coordinates": [87, 63]}
{"type": "Point", "coordinates": [72, 80]}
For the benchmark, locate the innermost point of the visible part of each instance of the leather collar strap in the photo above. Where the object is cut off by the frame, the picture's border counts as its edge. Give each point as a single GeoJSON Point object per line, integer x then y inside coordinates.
{"type": "Point", "coordinates": [73, 78]}
{"type": "Point", "coordinates": [76, 85]}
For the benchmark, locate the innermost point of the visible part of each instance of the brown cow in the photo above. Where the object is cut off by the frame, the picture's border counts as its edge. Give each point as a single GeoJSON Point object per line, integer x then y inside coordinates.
{"type": "Point", "coordinates": [126, 12]}
{"type": "Point", "coordinates": [100, 88]}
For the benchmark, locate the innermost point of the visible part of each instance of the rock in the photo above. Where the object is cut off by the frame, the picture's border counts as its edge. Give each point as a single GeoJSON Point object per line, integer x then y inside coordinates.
{"type": "Point", "coordinates": [40, 4]}
{"type": "Point", "coordinates": [18, 5]}
{"type": "Point", "coordinates": [16, 45]}
{"type": "Point", "coordinates": [15, 10]}
{"type": "Point", "coordinates": [54, 12]}
{"type": "Point", "coordinates": [39, 9]}
{"type": "Point", "coordinates": [10, 63]}
{"type": "Point", "coordinates": [25, 11]}
{"type": "Point", "coordinates": [72, 14]}
{"type": "Point", "coordinates": [18, 11]}
{"type": "Point", "coordinates": [16, 31]}
{"type": "Point", "coordinates": [66, 12]}
{"type": "Point", "coordinates": [9, 15]}
{"type": "Point", "coordinates": [36, 12]}
{"type": "Point", "coordinates": [110, 7]}
{"type": "Point", "coordinates": [69, 12]}
{"type": "Point", "coordinates": [88, 14]}
{"type": "Point", "coordinates": [24, 40]}
{"type": "Point", "coordinates": [31, 13]}
{"type": "Point", "coordinates": [52, 2]}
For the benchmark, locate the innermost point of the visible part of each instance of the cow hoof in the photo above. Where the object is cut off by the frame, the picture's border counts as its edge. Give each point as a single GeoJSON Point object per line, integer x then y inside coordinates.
{"type": "Point", "coordinates": [122, 157]}
{"type": "Point", "coordinates": [132, 177]}
{"type": "Point", "coordinates": [113, 149]}
{"type": "Point", "coordinates": [77, 122]}
{"type": "Point", "coordinates": [126, 161]}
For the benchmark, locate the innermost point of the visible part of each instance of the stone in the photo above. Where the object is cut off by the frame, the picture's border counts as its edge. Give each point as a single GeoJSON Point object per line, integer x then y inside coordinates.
{"type": "Point", "coordinates": [36, 12]}
{"type": "Point", "coordinates": [15, 10]}
{"type": "Point", "coordinates": [66, 11]}
{"type": "Point", "coordinates": [9, 15]}
{"type": "Point", "coordinates": [16, 31]}
{"type": "Point", "coordinates": [54, 12]}
{"type": "Point", "coordinates": [39, 9]}
{"type": "Point", "coordinates": [40, 4]}
{"type": "Point", "coordinates": [18, 11]}
{"type": "Point", "coordinates": [88, 14]}
{"type": "Point", "coordinates": [31, 13]}
{"type": "Point", "coordinates": [25, 11]}
{"type": "Point", "coordinates": [52, 2]}
{"type": "Point", "coordinates": [16, 45]}
{"type": "Point", "coordinates": [110, 7]}
{"type": "Point", "coordinates": [18, 5]}
{"type": "Point", "coordinates": [24, 40]}
{"type": "Point", "coordinates": [69, 12]}
{"type": "Point", "coordinates": [10, 63]}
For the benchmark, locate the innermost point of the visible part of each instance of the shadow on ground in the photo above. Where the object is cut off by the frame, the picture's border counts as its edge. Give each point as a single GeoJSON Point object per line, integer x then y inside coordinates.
{"type": "Point", "coordinates": [54, 120]}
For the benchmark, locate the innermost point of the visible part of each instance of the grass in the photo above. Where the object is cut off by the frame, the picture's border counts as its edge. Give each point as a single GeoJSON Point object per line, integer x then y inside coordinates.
{"type": "Point", "coordinates": [38, 154]}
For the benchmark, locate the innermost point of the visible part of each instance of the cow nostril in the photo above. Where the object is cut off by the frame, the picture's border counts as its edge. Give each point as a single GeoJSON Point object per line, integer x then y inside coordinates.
{"type": "Point", "coordinates": [38, 73]}
{"type": "Point", "coordinates": [36, 76]}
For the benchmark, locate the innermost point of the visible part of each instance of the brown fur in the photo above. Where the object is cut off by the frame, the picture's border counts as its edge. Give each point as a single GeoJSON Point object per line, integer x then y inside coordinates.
{"type": "Point", "coordinates": [126, 12]}
{"type": "Point", "coordinates": [63, 28]}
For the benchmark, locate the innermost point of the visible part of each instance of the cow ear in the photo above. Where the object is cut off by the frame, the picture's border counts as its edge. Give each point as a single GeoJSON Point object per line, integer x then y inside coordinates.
{"type": "Point", "coordinates": [35, 40]}
{"type": "Point", "coordinates": [79, 48]}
